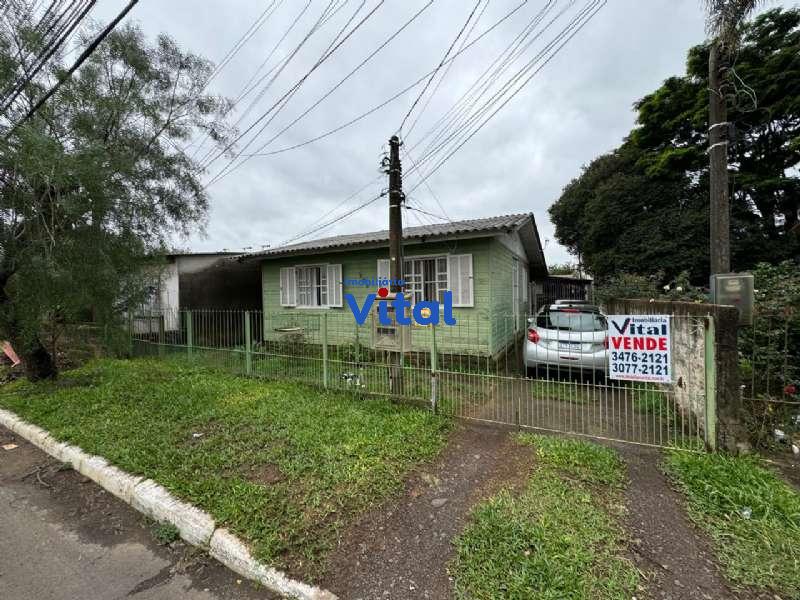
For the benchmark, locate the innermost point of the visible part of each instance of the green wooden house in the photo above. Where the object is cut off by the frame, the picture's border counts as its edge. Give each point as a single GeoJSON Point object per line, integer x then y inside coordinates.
{"type": "Point", "coordinates": [486, 263]}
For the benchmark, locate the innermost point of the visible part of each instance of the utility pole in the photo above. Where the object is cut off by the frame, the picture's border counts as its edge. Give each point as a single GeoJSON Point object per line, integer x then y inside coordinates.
{"type": "Point", "coordinates": [396, 199]}
{"type": "Point", "coordinates": [720, 221]}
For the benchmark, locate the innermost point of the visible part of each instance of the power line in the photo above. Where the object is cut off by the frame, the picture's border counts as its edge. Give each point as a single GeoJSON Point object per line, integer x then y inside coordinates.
{"type": "Point", "coordinates": [246, 89]}
{"type": "Point", "coordinates": [345, 201]}
{"type": "Point", "coordinates": [439, 66]}
{"type": "Point", "coordinates": [430, 214]}
{"type": "Point", "coordinates": [460, 118]}
{"type": "Point", "coordinates": [344, 79]}
{"type": "Point", "coordinates": [76, 65]}
{"type": "Point", "coordinates": [282, 64]}
{"type": "Point", "coordinates": [334, 221]}
{"type": "Point", "coordinates": [596, 5]}
{"type": "Point", "coordinates": [430, 189]}
{"type": "Point", "coordinates": [285, 98]}
{"type": "Point", "coordinates": [486, 79]}
{"type": "Point", "coordinates": [76, 12]}
{"type": "Point", "coordinates": [454, 132]}
{"type": "Point", "coordinates": [446, 71]}
{"type": "Point", "coordinates": [392, 98]}
{"type": "Point", "coordinates": [286, 61]}
{"type": "Point", "coordinates": [254, 27]}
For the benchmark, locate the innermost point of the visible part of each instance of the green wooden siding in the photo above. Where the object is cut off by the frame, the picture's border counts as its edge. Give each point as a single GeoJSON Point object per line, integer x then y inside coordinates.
{"type": "Point", "coordinates": [501, 312]}
{"type": "Point", "coordinates": [479, 330]}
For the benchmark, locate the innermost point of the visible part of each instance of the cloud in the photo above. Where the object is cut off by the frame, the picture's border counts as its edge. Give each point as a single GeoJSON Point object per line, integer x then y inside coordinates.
{"type": "Point", "coordinates": [577, 107]}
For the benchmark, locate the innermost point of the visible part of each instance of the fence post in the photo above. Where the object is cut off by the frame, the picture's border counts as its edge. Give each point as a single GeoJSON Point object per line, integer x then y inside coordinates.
{"type": "Point", "coordinates": [324, 335]}
{"type": "Point", "coordinates": [711, 384]}
{"type": "Point", "coordinates": [434, 367]}
{"type": "Point", "coordinates": [189, 333]}
{"type": "Point", "coordinates": [248, 345]}
{"type": "Point", "coordinates": [161, 334]}
{"type": "Point", "coordinates": [130, 334]}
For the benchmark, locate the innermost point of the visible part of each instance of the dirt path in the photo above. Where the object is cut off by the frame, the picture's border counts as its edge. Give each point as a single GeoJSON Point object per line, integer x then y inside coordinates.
{"type": "Point", "coordinates": [665, 542]}
{"type": "Point", "coordinates": [401, 550]}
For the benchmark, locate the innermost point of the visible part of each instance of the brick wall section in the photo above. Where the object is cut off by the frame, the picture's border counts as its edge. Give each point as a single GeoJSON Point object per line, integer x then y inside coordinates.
{"type": "Point", "coordinates": [688, 354]}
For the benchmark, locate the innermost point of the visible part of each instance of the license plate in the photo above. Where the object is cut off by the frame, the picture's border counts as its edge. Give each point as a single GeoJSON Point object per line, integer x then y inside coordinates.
{"type": "Point", "coordinates": [570, 346]}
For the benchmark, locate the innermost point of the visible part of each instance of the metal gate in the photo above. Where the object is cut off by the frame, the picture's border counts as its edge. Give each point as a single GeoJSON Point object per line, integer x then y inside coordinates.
{"type": "Point", "coordinates": [568, 399]}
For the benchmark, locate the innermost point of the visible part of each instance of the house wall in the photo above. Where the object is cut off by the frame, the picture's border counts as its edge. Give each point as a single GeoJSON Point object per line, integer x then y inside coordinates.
{"type": "Point", "coordinates": [224, 285]}
{"type": "Point", "coordinates": [505, 328]}
{"type": "Point", "coordinates": [470, 335]}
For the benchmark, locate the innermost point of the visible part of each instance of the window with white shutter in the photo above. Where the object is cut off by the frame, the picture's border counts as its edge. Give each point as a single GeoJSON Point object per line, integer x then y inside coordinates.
{"type": "Point", "coordinates": [334, 285]}
{"type": "Point", "coordinates": [459, 271]}
{"type": "Point", "coordinates": [288, 287]}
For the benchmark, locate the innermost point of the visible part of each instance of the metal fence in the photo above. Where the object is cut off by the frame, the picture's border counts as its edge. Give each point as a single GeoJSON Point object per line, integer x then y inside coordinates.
{"type": "Point", "coordinates": [769, 360]}
{"type": "Point", "coordinates": [474, 370]}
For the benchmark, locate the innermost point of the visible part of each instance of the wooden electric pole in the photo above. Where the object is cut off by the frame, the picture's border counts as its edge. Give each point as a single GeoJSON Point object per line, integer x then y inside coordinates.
{"type": "Point", "coordinates": [396, 199]}
{"type": "Point", "coordinates": [720, 221]}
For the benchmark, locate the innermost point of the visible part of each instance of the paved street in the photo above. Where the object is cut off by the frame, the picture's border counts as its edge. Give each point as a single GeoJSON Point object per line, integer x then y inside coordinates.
{"type": "Point", "coordinates": [64, 538]}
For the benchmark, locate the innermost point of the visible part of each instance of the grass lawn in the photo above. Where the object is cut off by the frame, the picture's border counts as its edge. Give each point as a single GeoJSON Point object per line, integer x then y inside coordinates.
{"type": "Point", "coordinates": [752, 516]}
{"type": "Point", "coordinates": [457, 388]}
{"type": "Point", "coordinates": [283, 465]}
{"type": "Point", "coordinates": [557, 538]}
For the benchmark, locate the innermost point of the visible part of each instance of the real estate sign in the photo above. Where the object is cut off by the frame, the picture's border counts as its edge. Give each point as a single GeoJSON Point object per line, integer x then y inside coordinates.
{"type": "Point", "coordinates": [639, 348]}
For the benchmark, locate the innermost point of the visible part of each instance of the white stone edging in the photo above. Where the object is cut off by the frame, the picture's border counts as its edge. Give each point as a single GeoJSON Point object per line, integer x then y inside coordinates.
{"type": "Point", "coordinates": [196, 527]}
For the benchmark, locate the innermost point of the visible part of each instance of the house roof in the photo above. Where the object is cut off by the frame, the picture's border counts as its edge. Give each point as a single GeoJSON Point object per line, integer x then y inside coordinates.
{"type": "Point", "coordinates": [489, 226]}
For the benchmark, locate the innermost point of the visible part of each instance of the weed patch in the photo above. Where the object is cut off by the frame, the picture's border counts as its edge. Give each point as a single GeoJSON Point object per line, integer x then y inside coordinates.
{"type": "Point", "coordinates": [558, 538]}
{"type": "Point", "coordinates": [752, 516]}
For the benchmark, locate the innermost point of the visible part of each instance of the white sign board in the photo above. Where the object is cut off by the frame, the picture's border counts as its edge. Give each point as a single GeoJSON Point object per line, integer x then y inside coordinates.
{"type": "Point", "coordinates": [639, 348]}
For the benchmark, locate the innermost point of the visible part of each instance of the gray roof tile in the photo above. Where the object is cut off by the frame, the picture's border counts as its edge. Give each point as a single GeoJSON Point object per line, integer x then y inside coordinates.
{"type": "Point", "coordinates": [454, 228]}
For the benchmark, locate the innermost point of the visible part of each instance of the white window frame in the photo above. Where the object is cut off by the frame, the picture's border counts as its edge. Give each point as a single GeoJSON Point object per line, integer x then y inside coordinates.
{"type": "Point", "coordinates": [443, 281]}
{"type": "Point", "coordinates": [440, 280]}
{"type": "Point", "coordinates": [311, 281]}
{"type": "Point", "coordinates": [324, 289]}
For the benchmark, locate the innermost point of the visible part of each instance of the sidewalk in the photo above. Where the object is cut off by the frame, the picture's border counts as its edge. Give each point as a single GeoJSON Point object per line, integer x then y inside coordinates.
{"type": "Point", "coordinates": [65, 538]}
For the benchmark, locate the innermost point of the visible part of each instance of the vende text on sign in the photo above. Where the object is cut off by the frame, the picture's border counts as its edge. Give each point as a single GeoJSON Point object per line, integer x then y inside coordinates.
{"type": "Point", "coordinates": [639, 348]}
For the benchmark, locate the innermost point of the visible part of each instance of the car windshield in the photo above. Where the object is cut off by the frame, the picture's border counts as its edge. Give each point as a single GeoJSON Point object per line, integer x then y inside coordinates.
{"type": "Point", "coordinates": [571, 321]}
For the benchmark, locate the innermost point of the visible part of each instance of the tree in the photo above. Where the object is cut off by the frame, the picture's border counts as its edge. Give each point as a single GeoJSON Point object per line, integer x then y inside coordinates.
{"type": "Point", "coordinates": [643, 208]}
{"type": "Point", "coordinates": [96, 181]}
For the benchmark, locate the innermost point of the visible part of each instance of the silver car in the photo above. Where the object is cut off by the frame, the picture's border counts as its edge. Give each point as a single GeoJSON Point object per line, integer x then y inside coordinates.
{"type": "Point", "coordinates": [567, 337]}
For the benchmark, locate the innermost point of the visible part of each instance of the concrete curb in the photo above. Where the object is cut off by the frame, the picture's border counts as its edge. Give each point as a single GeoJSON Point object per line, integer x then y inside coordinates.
{"type": "Point", "coordinates": [196, 527]}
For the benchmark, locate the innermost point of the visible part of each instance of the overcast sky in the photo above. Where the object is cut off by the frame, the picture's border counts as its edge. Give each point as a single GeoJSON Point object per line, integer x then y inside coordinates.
{"type": "Point", "coordinates": [578, 106]}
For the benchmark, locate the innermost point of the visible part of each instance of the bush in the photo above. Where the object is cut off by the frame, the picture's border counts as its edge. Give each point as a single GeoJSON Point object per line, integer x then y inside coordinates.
{"type": "Point", "coordinates": [769, 352]}
{"type": "Point", "coordinates": [655, 286]}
